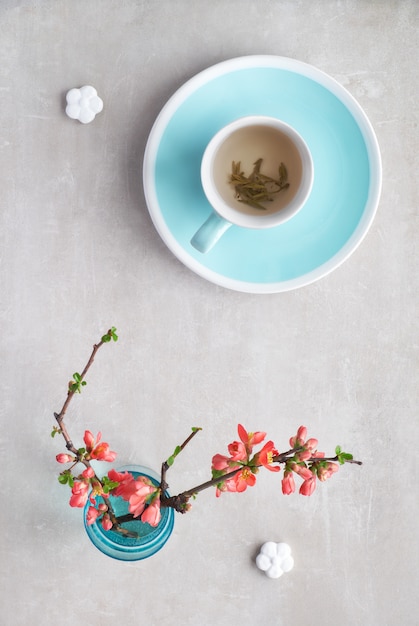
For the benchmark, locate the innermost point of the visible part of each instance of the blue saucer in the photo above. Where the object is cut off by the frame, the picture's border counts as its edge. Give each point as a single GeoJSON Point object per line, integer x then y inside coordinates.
{"type": "Point", "coordinates": [347, 173]}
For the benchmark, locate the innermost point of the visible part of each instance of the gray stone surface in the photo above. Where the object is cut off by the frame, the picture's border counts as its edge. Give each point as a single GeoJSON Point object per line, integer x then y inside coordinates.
{"type": "Point", "coordinates": [78, 252]}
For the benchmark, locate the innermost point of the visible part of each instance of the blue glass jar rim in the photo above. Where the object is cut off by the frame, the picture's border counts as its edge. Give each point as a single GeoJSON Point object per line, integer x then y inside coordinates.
{"type": "Point", "coordinates": [148, 545]}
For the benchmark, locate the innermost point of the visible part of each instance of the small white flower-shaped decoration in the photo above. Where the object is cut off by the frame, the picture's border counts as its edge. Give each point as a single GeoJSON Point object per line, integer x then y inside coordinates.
{"type": "Point", "coordinates": [274, 559]}
{"type": "Point", "coordinates": [83, 104]}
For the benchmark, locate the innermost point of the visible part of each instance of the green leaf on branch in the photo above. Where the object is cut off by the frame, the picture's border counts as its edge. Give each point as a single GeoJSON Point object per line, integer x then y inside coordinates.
{"type": "Point", "coordinates": [56, 431]}
{"type": "Point", "coordinates": [172, 457]}
{"type": "Point", "coordinates": [343, 456]}
{"type": "Point", "coordinates": [111, 334]}
{"type": "Point", "coordinates": [81, 453]}
{"type": "Point", "coordinates": [195, 429]}
{"type": "Point", "coordinates": [66, 478]}
{"type": "Point", "coordinates": [78, 383]}
{"type": "Point", "coordinates": [217, 473]}
{"type": "Point", "coordinates": [108, 484]}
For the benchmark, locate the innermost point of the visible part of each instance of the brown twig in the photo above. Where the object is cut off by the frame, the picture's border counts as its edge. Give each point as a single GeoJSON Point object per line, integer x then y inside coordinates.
{"type": "Point", "coordinates": [165, 465]}
{"type": "Point", "coordinates": [60, 416]}
{"type": "Point", "coordinates": [70, 394]}
{"type": "Point", "coordinates": [336, 458]}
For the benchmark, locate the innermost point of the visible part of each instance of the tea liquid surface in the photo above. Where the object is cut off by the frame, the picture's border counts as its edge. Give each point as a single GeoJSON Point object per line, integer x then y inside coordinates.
{"type": "Point", "coordinates": [247, 145]}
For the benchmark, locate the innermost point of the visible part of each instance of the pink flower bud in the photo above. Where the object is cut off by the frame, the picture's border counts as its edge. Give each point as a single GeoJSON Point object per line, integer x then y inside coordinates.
{"type": "Point", "coordinates": [152, 513]}
{"type": "Point", "coordinates": [304, 455]}
{"type": "Point", "coordinates": [302, 471]}
{"type": "Point", "coordinates": [106, 522]}
{"type": "Point", "coordinates": [79, 491]}
{"type": "Point", "coordinates": [308, 486]}
{"type": "Point", "coordinates": [65, 458]}
{"type": "Point", "coordinates": [299, 439]}
{"type": "Point", "coordinates": [311, 444]}
{"type": "Point", "coordinates": [220, 462]}
{"type": "Point", "coordinates": [326, 472]}
{"type": "Point", "coordinates": [288, 484]}
{"type": "Point", "coordinates": [89, 440]}
{"type": "Point", "coordinates": [92, 515]}
{"type": "Point", "coordinates": [88, 472]}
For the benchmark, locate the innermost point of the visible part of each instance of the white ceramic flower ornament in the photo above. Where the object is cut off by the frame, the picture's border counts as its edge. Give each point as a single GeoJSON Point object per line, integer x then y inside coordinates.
{"type": "Point", "coordinates": [275, 559]}
{"type": "Point", "coordinates": [83, 104]}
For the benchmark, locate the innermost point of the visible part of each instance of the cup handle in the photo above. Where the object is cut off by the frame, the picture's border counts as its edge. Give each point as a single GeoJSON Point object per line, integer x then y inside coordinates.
{"type": "Point", "coordinates": [210, 232]}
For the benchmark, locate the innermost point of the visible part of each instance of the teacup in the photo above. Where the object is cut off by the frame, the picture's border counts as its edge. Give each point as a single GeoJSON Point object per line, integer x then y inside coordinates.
{"type": "Point", "coordinates": [256, 172]}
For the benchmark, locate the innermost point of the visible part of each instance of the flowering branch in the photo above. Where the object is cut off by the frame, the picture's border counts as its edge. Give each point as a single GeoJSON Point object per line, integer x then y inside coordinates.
{"type": "Point", "coordinates": [233, 472]}
{"type": "Point", "coordinates": [98, 451]}
{"type": "Point", "coordinates": [292, 456]}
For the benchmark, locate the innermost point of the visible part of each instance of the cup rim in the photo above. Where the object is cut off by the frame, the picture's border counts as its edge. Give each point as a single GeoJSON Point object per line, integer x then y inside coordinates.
{"type": "Point", "coordinates": [235, 216]}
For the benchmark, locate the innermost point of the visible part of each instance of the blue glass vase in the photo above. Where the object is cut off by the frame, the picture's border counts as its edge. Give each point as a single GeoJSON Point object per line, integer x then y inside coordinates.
{"type": "Point", "coordinates": [150, 539]}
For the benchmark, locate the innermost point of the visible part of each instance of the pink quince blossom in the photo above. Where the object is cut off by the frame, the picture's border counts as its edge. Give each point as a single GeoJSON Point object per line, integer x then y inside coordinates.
{"type": "Point", "coordinates": [65, 458]}
{"type": "Point", "coordinates": [137, 501]}
{"type": "Point", "coordinates": [98, 450]}
{"type": "Point", "coordinates": [243, 479]}
{"type": "Point", "coordinates": [237, 451]}
{"type": "Point", "coordinates": [227, 485]}
{"type": "Point", "coordinates": [101, 452]}
{"type": "Point", "coordinates": [126, 487]}
{"type": "Point", "coordinates": [266, 455]}
{"type": "Point", "coordinates": [288, 483]}
{"type": "Point", "coordinates": [79, 491]}
{"type": "Point", "coordinates": [250, 439]}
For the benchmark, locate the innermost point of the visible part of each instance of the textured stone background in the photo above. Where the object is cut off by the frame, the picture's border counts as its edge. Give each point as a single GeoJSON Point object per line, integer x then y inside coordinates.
{"type": "Point", "coordinates": [78, 252]}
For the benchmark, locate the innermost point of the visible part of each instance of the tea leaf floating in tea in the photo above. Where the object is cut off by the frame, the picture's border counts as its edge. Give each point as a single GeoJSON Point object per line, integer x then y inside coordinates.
{"type": "Point", "coordinates": [257, 187]}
